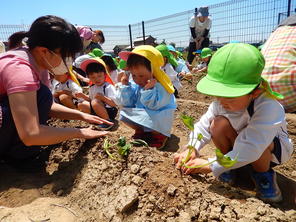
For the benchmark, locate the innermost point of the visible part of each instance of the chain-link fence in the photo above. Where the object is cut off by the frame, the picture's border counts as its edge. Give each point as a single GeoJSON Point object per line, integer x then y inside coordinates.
{"type": "Point", "coordinates": [248, 21]}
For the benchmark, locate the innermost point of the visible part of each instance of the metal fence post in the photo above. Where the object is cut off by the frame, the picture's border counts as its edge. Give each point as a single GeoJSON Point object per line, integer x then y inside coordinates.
{"type": "Point", "coordinates": [143, 28]}
{"type": "Point", "coordinates": [130, 33]}
{"type": "Point", "coordinates": [289, 8]}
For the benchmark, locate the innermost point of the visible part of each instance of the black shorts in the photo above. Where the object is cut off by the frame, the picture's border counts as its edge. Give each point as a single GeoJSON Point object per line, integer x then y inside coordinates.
{"type": "Point", "coordinates": [112, 112]}
{"type": "Point", "coordinates": [277, 150]}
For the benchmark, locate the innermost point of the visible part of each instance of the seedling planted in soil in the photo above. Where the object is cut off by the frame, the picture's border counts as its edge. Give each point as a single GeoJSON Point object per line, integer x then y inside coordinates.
{"type": "Point", "coordinates": [122, 146]}
{"type": "Point", "coordinates": [222, 159]}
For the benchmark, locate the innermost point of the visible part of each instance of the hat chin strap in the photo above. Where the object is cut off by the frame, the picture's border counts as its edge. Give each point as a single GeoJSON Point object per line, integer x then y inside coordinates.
{"type": "Point", "coordinates": [265, 85]}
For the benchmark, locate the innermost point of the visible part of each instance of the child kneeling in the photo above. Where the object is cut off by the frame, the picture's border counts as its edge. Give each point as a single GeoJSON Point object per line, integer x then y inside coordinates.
{"type": "Point", "coordinates": [246, 121]}
{"type": "Point", "coordinates": [64, 90]}
{"type": "Point", "coordinates": [101, 94]}
{"type": "Point", "coordinates": [148, 102]}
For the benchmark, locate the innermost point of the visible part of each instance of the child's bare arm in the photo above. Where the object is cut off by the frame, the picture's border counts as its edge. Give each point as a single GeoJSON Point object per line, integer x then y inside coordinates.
{"type": "Point", "coordinates": [82, 95]}
{"type": "Point", "coordinates": [105, 99]}
{"type": "Point", "coordinates": [60, 92]}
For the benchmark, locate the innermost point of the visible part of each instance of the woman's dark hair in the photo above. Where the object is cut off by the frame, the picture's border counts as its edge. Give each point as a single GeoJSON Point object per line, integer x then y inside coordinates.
{"type": "Point", "coordinates": [15, 40]}
{"type": "Point", "coordinates": [109, 62]}
{"type": "Point", "coordinates": [53, 33]}
{"type": "Point", "coordinates": [137, 60]}
{"type": "Point", "coordinates": [94, 67]}
{"type": "Point", "coordinates": [101, 34]}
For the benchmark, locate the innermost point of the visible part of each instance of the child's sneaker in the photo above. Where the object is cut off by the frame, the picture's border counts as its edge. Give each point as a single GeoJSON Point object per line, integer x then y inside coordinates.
{"type": "Point", "coordinates": [266, 186]}
{"type": "Point", "coordinates": [158, 140]}
{"type": "Point", "coordinates": [227, 177]}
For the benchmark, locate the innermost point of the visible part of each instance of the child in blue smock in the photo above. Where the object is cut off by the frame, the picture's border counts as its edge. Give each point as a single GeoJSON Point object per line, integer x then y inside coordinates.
{"type": "Point", "coordinates": [148, 102]}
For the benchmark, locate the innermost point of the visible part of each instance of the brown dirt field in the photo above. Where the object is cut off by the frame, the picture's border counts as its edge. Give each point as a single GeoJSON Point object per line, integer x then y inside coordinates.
{"type": "Point", "coordinates": [81, 183]}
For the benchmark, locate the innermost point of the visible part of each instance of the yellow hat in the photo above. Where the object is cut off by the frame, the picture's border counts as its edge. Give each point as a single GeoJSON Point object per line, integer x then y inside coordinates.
{"type": "Point", "coordinates": [156, 60]}
{"type": "Point", "coordinates": [86, 62]}
{"type": "Point", "coordinates": [73, 76]}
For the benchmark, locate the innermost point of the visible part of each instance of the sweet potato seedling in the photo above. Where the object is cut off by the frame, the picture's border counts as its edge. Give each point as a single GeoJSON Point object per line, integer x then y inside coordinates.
{"type": "Point", "coordinates": [122, 146]}
{"type": "Point", "coordinates": [222, 159]}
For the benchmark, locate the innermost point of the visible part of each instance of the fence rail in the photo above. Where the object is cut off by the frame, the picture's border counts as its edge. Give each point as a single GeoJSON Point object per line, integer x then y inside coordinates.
{"type": "Point", "coordinates": [242, 20]}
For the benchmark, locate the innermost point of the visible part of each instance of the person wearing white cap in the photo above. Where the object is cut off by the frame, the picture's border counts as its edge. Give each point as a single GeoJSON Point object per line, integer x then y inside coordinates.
{"type": "Point", "coordinates": [200, 25]}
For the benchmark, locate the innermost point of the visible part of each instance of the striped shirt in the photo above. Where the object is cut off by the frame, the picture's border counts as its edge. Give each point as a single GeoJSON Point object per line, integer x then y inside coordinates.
{"type": "Point", "coordinates": [280, 68]}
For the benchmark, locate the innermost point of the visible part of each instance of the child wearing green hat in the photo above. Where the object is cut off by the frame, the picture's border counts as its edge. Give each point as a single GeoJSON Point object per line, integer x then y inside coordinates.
{"type": "Point", "coordinates": [206, 55]}
{"type": "Point", "coordinates": [245, 122]}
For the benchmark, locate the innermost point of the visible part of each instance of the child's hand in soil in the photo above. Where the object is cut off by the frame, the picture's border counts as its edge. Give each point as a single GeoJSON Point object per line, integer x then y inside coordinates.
{"type": "Point", "coordinates": [150, 84]}
{"type": "Point", "coordinates": [178, 157]}
{"type": "Point", "coordinates": [196, 162]}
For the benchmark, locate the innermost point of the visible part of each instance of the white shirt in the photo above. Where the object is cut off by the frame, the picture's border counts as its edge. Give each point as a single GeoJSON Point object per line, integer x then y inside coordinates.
{"type": "Point", "coordinates": [255, 133]}
{"type": "Point", "coordinates": [199, 27]}
{"type": "Point", "coordinates": [69, 85]}
{"type": "Point", "coordinates": [114, 75]}
{"type": "Point", "coordinates": [169, 70]}
{"type": "Point", "coordinates": [106, 89]}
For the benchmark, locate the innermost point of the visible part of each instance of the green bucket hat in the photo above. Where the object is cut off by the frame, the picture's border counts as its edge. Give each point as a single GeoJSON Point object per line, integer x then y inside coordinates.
{"type": "Point", "coordinates": [166, 53]}
{"type": "Point", "coordinates": [96, 53]}
{"type": "Point", "coordinates": [235, 70]}
{"type": "Point", "coordinates": [122, 64]}
{"type": "Point", "coordinates": [206, 52]}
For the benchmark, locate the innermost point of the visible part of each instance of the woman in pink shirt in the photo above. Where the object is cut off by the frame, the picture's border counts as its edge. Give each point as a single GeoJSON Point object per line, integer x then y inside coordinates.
{"type": "Point", "coordinates": [25, 99]}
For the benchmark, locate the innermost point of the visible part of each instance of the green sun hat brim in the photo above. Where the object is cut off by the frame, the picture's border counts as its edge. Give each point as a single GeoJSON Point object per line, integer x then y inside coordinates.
{"type": "Point", "coordinates": [214, 88]}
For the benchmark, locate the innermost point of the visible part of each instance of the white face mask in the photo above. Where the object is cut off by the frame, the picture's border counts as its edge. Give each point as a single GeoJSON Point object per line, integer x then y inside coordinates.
{"type": "Point", "coordinates": [62, 68]}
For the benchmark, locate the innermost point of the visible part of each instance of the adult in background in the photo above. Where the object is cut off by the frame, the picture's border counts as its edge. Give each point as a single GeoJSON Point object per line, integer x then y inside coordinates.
{"type": "Point", "coordinates": [86, 35]}
{"type": "Point", "coordinates": [279, 52]}
{"type": "Point", "coordinates": [26, 102]}
{"type": "Point", "coordinates": [200, 25]}
{"type": "Point", "coordinates": [97, 40]}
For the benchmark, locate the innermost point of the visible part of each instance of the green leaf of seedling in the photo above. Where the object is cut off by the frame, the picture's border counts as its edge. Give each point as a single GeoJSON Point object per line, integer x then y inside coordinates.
{"type": "Point", "coordinates": [188, 121]}
{"type": "Point", "coordinates": [224, 160]}
{"type": "Point", "coordinates": [191, 149]}
{"type": "Point", "coordinates": [199, 166]}
{"type": "Point", "coordinates": [106, 147]}
{"type": "Point", "coordinates": [199, 136]}
{"type": "Point", "coordinates": [139, 142]}
{"type": "Point", "coordinates": [124, 150]}
{"type": "Point", "coordinates": [122, 141]}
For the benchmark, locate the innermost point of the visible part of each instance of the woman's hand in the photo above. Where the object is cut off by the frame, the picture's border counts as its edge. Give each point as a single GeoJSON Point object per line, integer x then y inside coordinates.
{"type": "Point", "coordinates": [150, 84]}
{"type": "Point", "coordinates": [196, 162]}
{"type": "Point", "coordinates": [88, 133]}
{"type": "Point", "coordinates": [94, 119]}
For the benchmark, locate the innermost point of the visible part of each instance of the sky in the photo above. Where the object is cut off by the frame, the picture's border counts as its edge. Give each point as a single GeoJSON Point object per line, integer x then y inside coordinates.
{"type": "Point", "coordinates": [95, 12]}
